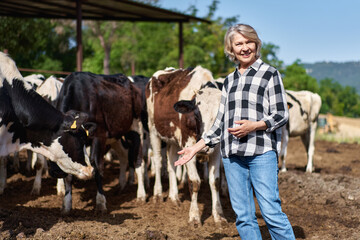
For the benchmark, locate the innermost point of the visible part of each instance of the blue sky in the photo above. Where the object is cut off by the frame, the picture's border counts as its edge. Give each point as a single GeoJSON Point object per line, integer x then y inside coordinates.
{"type": "Point", "coordinates": [309, 30]}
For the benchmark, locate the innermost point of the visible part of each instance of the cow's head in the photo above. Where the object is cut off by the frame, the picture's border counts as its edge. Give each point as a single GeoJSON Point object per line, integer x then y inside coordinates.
{"type": "Point", "coordinates": [72, 157]}
{"type": "Point", "coordinates": [204, 106]}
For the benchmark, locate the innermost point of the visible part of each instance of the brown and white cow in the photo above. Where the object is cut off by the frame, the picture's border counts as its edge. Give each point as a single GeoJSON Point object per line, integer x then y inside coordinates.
{"type": "Point", "coordinates": [170, 89]}
{"type": "Point", "coordinates": [304, 109]}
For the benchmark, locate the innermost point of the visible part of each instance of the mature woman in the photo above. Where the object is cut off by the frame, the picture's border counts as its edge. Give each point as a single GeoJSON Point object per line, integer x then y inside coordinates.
{"type": "Point", "coordinates": [253, 108]}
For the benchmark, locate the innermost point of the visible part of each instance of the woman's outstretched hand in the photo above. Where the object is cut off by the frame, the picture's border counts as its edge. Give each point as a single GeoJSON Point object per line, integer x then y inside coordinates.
{"type": "Point", "coordinates": [189, 152]}
{"type": "Point", "coordinates": [187, 155]}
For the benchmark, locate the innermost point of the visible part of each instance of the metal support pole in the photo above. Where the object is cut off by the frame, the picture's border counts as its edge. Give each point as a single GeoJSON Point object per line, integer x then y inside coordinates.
{"type": "Point", "coordinates": [79, 52]}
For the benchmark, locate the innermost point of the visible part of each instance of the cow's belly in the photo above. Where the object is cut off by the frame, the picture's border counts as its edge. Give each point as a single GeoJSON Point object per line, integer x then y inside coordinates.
{"type": "Point", "coordinates": [298, 129]}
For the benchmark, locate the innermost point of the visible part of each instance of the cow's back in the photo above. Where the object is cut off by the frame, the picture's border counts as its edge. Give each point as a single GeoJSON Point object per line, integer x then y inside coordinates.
{"type": "Point", "coordinates": [164, 89]}
{"type": "Point", "coordinates": [110, 100]}
{"type": "Point", "coordinates": [304, 110]}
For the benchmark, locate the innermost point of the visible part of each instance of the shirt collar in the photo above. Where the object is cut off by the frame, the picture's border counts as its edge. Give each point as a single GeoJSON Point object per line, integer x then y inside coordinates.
{"type": "Point", "coordinates": [256, 65]}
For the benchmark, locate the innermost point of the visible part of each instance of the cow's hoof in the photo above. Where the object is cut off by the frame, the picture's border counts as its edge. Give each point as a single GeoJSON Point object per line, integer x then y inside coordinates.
{"type": "Point", "coordinates": [220, 221]}
{"type": "Point", "coordinates": [157, 199]}
{"type": "Point", "coordinates": [283, 170]}
{"type": "Point", "coordinates": [65, 212]}
{"type": "Point", "coordinates": [100, 209]}
{"type": "Point", "coordinates": [35, 192]}
{"type": "Point", "coordinates": [141, 200]}
{"type": "Point", "coordinates": [195, 223]}
{"type": "Point", "coordinates": [175, 202]}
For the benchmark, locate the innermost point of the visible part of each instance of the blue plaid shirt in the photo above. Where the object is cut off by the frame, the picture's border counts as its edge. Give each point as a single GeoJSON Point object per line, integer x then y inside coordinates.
{"type": "Point", "coordinates": [256, 95]}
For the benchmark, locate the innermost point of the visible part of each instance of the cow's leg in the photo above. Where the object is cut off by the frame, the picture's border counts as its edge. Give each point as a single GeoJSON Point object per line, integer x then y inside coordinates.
{"type": "Point", "coordinates": [97, 151]}
{"type": "Point", "coordinates": [146, 174]}
{"type": "Point", "coordinates": [140, 173]}
{"type": "Point", "coordinates": [3, 174]}
{"type": "Point", "coordinates": [67, 204]}
{"type": "Point", "coordinates": [172, 156]}
{"type": "Point", "coordinates": [16, 161]}
{"type": "Point", "coordinates": [181, 175]}
{"type": "Point", "coordinates": [205, 171]}
{"type": "Point", "coordinates": [136, 160]}
{"type": "Point", "coordinates": [100, 197]}
{"type": "Point", "coordinates": [131, 177]}
{"type": "Point", "coordinates": [122, 173]}
{"type": "Point", "coordinates": [214, 182]}
{"type": "Point", "coordinates": [152, 163]}
{"type": "Point", "coordinates": [179, 171]}
{"type": "Point", "coordinates": [39, 166]}
{"type": "Point", "coordinates": [283, 151]}
{"type": "Point", "coordinates": [309, 142]}
{"type": "Point", "coordinates": [164, 161]}
{"type": "Point", "coordinates": [145, 151]}
{"type": "Point", "coordinates": [122, 155]}
{"type": "Point", "coordinates": [223, 183]}
{"type": "Point", "coordinates": [30, 161]}
{"type": "Point", "coordinates": [60, 187]}
{"type": "Point", "coordinates": [156, 148]}
{"type": "Point", "coordinates": [194, 187]}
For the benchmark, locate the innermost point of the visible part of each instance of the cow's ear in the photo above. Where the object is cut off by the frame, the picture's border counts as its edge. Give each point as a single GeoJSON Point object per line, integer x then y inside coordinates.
{"type": "Point", "coordinates": [89, 128]}
{"type": "Point", "coordinates": [289, 105]}
{"type": "Point", "coordinates": [185, 106]}
{"type": "Point", "coordinates": [73, 120]}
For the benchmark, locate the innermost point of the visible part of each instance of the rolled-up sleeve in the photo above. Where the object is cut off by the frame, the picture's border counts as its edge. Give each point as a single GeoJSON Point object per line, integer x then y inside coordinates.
{"type": "Point", "coordinates": [278, 110]}
{"type": "Point", "coordinates": [212, 137]}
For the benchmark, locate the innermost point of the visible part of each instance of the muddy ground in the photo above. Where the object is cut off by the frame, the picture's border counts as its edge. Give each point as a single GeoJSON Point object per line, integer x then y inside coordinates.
{"type": "Point", "coordinates": [322, 205]}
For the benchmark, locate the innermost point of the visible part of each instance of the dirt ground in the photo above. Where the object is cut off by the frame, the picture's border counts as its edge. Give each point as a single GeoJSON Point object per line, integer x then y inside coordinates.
{"type": "Point", "coordinates": [322, 205]}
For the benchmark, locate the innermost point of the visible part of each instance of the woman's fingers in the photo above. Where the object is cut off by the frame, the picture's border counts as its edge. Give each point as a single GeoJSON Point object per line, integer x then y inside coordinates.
{"type": "Point", "coordinates": [181, 161]}
{"type": "Point", "coordinates": [181, 152]}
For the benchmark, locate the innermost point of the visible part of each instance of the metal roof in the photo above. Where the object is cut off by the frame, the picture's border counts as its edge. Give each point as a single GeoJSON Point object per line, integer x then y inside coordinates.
{"type": "Point", "coordinates": [92, 10]}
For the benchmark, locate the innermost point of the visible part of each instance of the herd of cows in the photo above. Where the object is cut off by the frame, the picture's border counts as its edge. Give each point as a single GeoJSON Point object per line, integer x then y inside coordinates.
{"type": "Point", "coordinates": [74, 122]}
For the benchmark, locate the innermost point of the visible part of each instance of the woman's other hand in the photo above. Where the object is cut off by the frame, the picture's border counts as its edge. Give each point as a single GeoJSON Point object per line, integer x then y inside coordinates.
{"type": "Point", "coordinates": [245, 127]}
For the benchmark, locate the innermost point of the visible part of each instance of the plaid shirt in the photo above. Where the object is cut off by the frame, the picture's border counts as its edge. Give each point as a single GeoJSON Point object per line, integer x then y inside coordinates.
{"type": "Point", "coordinates": [256, 95]}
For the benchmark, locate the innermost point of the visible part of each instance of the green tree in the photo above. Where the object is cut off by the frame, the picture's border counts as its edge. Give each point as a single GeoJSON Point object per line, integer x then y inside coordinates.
{"type": "Point", "coordinates": [339, 100]}
{"type": "Point", "coordinates": [148, 46]}
{"type": "Point", "coordinates": [38, 43]}
{"type": "Point", "coordinates": [297, 79]}
{"type": "Point", "coordinates": [268, 55]}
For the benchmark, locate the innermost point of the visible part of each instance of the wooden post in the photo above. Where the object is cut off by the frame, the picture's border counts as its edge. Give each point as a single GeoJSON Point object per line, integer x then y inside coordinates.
{"type": "Point", "coordinates": [79, 52]}
{"type": "Point", "coordinates": [181, 46]}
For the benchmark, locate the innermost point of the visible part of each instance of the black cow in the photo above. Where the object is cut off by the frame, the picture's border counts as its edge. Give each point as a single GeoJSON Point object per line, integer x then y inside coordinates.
{"type": "Point", "coordinates": [114, 104]}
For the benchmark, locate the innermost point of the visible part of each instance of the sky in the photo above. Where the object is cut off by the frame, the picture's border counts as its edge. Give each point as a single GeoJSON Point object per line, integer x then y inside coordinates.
{"type": "Point", "coordinates": [309, 30]}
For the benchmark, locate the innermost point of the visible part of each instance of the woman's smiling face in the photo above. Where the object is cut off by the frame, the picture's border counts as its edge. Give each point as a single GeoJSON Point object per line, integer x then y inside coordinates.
{"type": "Point", "coordinates": [244, 50]}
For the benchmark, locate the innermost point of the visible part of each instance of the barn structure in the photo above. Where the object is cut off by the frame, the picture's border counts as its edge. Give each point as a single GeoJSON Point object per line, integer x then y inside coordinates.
{"type": "Point", "coordinates": [114, 10]}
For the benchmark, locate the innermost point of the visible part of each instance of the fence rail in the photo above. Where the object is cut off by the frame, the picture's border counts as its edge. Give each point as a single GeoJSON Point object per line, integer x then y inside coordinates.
{"type": "Point", "coordinates": [43, 71]}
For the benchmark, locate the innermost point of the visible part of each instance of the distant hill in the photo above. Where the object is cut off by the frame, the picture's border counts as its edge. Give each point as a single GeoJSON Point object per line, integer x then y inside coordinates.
{"type": "Point", "coordinates": [347, 73]}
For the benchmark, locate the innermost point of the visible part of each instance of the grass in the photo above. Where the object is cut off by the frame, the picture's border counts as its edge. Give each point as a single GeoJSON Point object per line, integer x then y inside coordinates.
{"type": "Point", "coordinates": [330, 137]}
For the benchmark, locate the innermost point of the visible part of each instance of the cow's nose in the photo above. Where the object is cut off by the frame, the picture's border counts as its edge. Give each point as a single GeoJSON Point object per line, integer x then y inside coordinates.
{"type": "Point", "coordinates": [86, 173]}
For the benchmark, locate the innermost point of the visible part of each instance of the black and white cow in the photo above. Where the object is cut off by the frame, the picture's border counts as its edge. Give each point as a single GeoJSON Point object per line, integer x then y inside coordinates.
{"type": "Point", "coordinates": [49, 89]}
{"type": "Point", "coordinates": [114, 104]}
{"type": "Point", "coordinates": [304, 109]}
{"type": "Point", "coordinates": [28, 121]}
{"type": "Point", "coordinates": [179, 113]}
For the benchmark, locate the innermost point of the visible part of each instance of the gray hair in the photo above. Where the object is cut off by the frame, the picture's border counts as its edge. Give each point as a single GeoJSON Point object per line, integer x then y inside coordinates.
{"type": "Point", "coordinates": [248, 32]}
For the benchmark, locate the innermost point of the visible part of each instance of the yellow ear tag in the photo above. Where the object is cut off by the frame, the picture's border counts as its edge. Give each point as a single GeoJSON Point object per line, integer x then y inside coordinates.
{"type": "Point", "coordinates": [87, 132]}
{"type": "Point", "coordinates": [73, 126]}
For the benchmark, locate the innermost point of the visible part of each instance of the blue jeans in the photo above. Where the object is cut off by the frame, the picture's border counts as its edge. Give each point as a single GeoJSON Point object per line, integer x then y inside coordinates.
{"type": "Point", "coordinates": [256, 174]}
